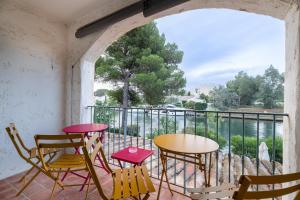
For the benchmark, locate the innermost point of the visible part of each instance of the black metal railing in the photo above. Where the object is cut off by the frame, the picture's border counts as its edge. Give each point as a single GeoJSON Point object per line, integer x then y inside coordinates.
{"type": "Point", "coordinates": [239, 135]}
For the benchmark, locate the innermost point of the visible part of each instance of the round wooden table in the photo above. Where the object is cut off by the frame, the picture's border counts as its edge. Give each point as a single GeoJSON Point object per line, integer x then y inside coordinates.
{"type": "Point", "coordinates": [185, 146]}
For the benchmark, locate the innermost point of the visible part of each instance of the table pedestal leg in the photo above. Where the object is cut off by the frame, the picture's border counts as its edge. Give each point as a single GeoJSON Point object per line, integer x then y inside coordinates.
{"type": "Point", "coordinates": [164, 172]}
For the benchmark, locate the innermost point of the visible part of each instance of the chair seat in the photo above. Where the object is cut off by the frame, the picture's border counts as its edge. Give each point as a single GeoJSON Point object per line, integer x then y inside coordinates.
{"type": "Point", "coordinates": [66, 161]}
{"type": "Point", "coordinates": [131, 182]}
{"type": "Point", "coordinates": [34, 152]}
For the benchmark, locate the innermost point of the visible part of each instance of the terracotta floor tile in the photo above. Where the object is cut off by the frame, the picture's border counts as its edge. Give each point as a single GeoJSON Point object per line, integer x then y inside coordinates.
{"type": "Point", "coordinates": [40, 188]}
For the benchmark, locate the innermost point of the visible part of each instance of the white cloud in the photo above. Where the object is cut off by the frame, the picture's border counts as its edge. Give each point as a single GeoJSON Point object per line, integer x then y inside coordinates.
{"type": "Point", "coordinates": [253, 60]}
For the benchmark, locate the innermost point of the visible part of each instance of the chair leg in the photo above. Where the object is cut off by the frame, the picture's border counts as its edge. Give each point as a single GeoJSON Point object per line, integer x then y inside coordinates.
{"type": "Point", "coordinates": [28, 172]}
{"type": "Point", "coordinates": [146, 196]}
{"type": "Point", "coordinates": [88, 187]}
{"type": "Point", "coordinates": [85, 181]}
{"type": "Point", "coordinates": [55, 183]}
{"type": "Point", "coordinates": [25, 186]}
{"type": "Point", "coordinates": [65, 175]}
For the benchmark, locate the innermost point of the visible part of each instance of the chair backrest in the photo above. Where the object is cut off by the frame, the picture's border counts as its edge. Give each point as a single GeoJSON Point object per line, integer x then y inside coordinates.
{"type": "Point", "coordinates": [93, 148]}
{"type": "Point", "coordinates": [247, 181]}
{"type": "Point", "coordinates": [48, 142]}
{"type": "Point", "coordinates": [17, 141]}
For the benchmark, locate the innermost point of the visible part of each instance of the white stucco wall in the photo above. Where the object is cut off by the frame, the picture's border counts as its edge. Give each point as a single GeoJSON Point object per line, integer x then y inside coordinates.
{"type": "Point", "coordinates": [32, 80]}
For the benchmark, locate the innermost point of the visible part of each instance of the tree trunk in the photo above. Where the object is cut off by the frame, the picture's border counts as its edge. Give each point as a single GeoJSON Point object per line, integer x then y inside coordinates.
{"type": "Point", "coordinates": [125, 105]}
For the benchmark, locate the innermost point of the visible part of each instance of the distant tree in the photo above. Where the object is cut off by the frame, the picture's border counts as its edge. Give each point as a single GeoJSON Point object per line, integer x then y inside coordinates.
{"type": "Point", "coordinates": [223, 99]}
{"type": "Point", "coordinates": [270, 87]}
{"type": "Point", "coordinates": [200, 106]}
{"type": "Point", "coordinates": [189, 93]}
{"type": "Point", "coordinates": [244, 86]}
{"type": "Point", "coordinates": [204, 97]}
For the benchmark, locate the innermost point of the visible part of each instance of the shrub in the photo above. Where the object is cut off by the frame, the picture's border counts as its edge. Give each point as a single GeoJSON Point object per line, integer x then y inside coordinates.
{"type": "Point", "coordinates": [250, 146]}
{"type": "Point", "coordinates": [278, 147]}
{"type": "Point", "coordinates": [131, 130]}
{"type": "Point", "coordinates": [200, 106]}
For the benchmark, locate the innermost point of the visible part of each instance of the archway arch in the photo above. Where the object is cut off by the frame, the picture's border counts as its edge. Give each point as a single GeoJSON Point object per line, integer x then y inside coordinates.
{"type": "Point", "coordinates": [286, 10]}
{"type": "Point", "coordinates": [277, 9]}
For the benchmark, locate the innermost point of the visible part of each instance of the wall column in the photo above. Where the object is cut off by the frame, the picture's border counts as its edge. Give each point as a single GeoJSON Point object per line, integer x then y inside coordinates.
{"type": "Point", "coordinates": [291, 140]}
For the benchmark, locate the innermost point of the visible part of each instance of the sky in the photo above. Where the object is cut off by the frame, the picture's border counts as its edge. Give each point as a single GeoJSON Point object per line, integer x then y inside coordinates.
{"type": "Point", "coordinates": [218, 43]}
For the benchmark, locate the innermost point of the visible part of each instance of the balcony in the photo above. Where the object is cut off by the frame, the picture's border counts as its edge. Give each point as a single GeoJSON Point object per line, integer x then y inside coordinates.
{"type": "Point", "coordinates": [241, 136]}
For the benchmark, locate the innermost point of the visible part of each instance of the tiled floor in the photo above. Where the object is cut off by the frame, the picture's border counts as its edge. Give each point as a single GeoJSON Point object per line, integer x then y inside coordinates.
{"type": "Point", "coordinates": [40, 189]}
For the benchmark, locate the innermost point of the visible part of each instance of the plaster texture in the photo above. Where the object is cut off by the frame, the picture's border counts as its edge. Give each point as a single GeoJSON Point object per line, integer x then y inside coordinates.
{"type": "Point", "coordinates": [32, 78]}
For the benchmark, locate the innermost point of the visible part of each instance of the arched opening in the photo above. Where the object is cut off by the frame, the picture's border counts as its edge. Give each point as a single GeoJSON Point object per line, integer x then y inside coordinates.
{"type": "Point", "coordinates": [285, 10]}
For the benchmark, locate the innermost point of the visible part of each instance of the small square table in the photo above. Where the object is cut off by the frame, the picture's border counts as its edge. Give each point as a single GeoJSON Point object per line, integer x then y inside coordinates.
{"type": "Point", "coordinates": [136, 158]}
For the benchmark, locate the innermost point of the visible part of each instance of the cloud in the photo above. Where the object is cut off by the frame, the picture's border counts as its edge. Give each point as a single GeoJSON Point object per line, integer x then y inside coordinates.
{"type": "Point", "coordinates": [218, 43]}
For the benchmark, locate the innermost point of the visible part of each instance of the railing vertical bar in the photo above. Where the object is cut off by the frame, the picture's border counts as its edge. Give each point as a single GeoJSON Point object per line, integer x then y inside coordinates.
{"type": "Point", "coordinates": [144, 135]}
{"type": "Point", "coordinates": [195, 132]}
{"type": "Point", "coordinates": [257, 145]}
{"type": "Point", "coordinates": [137, 127]}
{"type": "Point", "coordinates": [184, 164]}
{"type": "Point", "coordinates": [92, 116]}
{"type": "Point", "coordinates": [217, 154]}
{"type": "Point", "coordinates": [114, 136]}
{"type": "Point", "coordinates": [166, 130]}
{"type": "Point", "coordinates": [151, 141]}
{"type": "Point", "coordinates": [229, 152]}
{"type": "Point", "coordinates": [243, 146]}
{"type": "Point", "coordinates": [175, 160]}
{"type": "Point", "coordinates": [131, 125]}
{"type": "Point", "coordinates": [108, 134]}
{"type": "Point", "coordinates": [158, 152]}
{"type": "Point", "coordinates": [120, 127]}
{"type": "Point", "coordinates": [206, 126]}
{"type": "Point", "coordinates": [273, 147]}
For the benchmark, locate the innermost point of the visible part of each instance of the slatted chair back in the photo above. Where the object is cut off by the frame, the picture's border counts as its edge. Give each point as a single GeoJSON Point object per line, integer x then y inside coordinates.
{"type": "Point", "coordinates": [90, 151]}
{"type": "Point", "coordinates": [247, 181]}
{"type": "Point", "coordinates": [48, 142]}
{"type": "Point", "coordinates": [17, 141]}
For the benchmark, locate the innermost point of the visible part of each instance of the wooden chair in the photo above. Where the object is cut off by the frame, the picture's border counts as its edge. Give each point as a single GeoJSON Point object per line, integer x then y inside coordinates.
{"type": "Point", "coordinates": [30, 155]}
{"type": "Point", "coordinates": [64, 162]}
{"type": "Point", "coordinates": [245, 191]}
{"type": "Point", "coordinates": [128, 182]}
{"type": "Point", "coordinates": [293, 186]}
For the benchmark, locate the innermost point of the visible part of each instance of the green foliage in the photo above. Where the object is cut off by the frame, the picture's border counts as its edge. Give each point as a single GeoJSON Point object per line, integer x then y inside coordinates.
{"type": "Point", "coordinates": [117, 95]}
{"type": "Point", "coordinates": [204, 97]}
{"type": "Point", "coordinates": [131, 130]}
{"type": "Point", "coordinates": [271, 87]}
{"type": "Point", "coordinates": [224, 99]}
{"type": "Point", "coordinates": [244, 86]}
{"type": "Point", "coordinates": [167, 125]}
{"type": "Point", "coordinates": [250, 146]}
{"type": "Point", "coordinates": [143, 62]}
{"type": "Point", "coordinates": [267, 89]}
{"type": "Point", "coordinates": [195, 105]}
{"type": "Point", "coordinates": [200, 106]}
{"type": "Point", "coordinates": [102, 114]}
{"type": "Point", "coordinates": [278, 147]}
